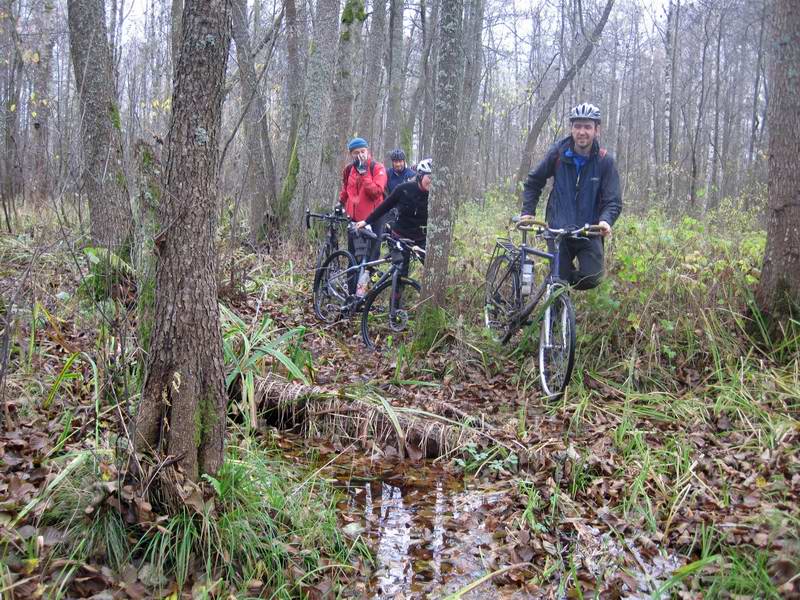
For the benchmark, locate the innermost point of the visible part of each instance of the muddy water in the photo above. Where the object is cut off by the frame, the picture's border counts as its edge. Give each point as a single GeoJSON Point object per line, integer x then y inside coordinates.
{"type": "Point", "coordinates": [427, 532]}
{"type": "Point", "coordinates": [432, 535]}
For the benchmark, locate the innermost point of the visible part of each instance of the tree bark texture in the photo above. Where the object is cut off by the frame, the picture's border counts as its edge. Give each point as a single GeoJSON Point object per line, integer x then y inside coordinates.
{"type": "Point", "coordinates": [260, 187]}
{"type": "Point", "coordinates": [544, 114]}
{"type": "Point", "coordinates": [11, 70]}
{"type": "Point", "coordinates": [183, 403]}
{"type": "Point", "coordinates": [443, 201]}
{"type": "Point", "coordinates": [343, 93]}
{"type": "Point", "coordinates": [295, 40]}
{"type": "Point", "coordinates": [369, 105]}
{"type": "Point", "coordinates": [778, 292]}
{"type": "Point", "coordinates": [103, 177]}
{"type": "Point", "coordinates": [41, 102]}
{"type": "Point", "coordinates": [391, 136]}
{"type": "Point", "coordinates": [428, 25]}
{"type": "Point", "coordinates": [318, 82]}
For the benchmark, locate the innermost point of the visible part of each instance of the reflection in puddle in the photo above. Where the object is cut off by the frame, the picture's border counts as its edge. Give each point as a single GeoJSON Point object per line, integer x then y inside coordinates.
{"type": "Point", "coordinates": [425, 539]}
{"type": "Point", "coordinates": [431, 537]}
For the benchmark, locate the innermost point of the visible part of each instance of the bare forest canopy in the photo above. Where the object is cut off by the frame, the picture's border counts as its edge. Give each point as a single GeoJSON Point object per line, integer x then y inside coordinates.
{"type": "Point", "coordinates": [683, 87]}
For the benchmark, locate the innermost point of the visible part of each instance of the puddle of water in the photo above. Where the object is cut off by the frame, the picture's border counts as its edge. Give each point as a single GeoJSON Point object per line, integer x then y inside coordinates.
{"type": "Point", "coordinates": [427, 539]}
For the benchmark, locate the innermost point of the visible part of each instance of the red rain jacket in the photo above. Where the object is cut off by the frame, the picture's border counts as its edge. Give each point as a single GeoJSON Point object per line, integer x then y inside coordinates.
{"type": "Point", "coordinates": [361, 194]}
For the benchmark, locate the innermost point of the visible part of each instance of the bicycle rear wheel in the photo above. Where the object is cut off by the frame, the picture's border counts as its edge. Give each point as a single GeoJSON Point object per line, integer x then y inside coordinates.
{"type": "Point", "coordinates": [502, 296]}
{"type": "Point", "coordinates": [331, 291]}
{"type": "Point", "coordinates": [390, 326]}
{"type": "Point", "coordinates": [557, 342]}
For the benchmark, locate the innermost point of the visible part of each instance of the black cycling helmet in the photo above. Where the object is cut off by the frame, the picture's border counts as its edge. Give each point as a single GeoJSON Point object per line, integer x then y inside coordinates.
{"type": "Point", "coordinates": [398, 154]}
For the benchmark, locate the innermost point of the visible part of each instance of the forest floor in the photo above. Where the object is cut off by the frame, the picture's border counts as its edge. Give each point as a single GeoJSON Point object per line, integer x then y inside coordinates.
{"type": "Point", "coordinates": [670, 468]}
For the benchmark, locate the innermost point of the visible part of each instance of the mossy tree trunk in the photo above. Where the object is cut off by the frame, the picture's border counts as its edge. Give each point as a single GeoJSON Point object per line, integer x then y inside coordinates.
{"type": "Point", "coordinates": [779, 290]}
{"type": "Point", "coordinates": [443, 203]}
{"type": "Point", "coordinates": [103, 177]}
{"type": "Point", "coordinates": [183, 403]}
{"type": "Point", "coordinates": [341, 112]}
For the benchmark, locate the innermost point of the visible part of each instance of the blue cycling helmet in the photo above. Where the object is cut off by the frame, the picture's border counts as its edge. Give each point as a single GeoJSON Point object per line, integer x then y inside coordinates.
{"type": "Point", "coordinates": [398, 154]}
{"type": "Point", "coordinates": [357, 143]}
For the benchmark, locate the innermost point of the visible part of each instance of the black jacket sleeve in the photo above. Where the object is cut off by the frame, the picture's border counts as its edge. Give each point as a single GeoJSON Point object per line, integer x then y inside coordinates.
{"type": "Point", "coordinates": [536, 181]}
{"type": "Point", "coordinates": [610, 192]}
{"type": "Point", "coordinates": [384, 207]}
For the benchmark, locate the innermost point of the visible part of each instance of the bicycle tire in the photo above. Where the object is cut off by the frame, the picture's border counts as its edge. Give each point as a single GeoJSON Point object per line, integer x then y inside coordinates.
{"type": "Point", "coordinates": [557, 343]}
{"type": "Point", "coordinates": [331, 291]}
{"type": "Point", "coordinates": [377, 327]}
{"type": "Point", "coordinates": [501, 297]}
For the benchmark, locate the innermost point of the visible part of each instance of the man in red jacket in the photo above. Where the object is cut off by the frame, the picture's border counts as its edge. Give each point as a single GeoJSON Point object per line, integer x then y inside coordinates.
{"type": "Point", "coordinates": [363, 183]}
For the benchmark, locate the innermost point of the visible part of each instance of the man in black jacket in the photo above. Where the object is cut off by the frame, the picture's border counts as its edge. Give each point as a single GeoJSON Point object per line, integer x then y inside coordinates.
{"type": "Point", "coordinates": [585, 191]}
{"type": "Point", "coordinates": [411, 200]}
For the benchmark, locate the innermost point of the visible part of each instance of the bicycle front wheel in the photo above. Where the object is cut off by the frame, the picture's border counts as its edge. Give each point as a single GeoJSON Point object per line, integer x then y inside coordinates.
{"type": "Point", "coordinates": [390, 315]}
{"type": "Point", "coordinates": [557, 342]}
{"type": "Point", "coordinates": [501, 297]}
{"type": "Point", "coordinates": [331, 290]}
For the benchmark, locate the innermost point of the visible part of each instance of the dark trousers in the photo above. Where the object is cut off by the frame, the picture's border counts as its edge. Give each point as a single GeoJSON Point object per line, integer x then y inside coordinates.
{"type": "Point", "coordinates": [589, 254]}
{"type": "Point", "coordinates": [373, 250]}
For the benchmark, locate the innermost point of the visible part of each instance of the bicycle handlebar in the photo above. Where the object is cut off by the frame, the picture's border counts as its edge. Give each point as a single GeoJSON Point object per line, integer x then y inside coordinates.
{"type": "Point", "coordinates": [365, 231]}
{"type": "Point", "coordinates": [331, 217]}
{"type": "Point", "coordinates": [528, 223]}
{"type": "Point", "coordinates": [405, 243]}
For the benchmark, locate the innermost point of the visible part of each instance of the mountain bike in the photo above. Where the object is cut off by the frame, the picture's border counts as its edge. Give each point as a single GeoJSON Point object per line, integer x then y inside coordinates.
{"type": "Point", "coordinates": [341, 281]}
{"type": "Point", "coordinates": [512, 295]}
{"type": "Point", "coordinates": [389, 307]}
{"type": "Point", "coordinates": [330, 240]}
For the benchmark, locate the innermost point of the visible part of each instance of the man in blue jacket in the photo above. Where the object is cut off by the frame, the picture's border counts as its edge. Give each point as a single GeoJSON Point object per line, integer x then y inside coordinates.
{"type": "Point", "coordinates": [399, 173]}
{"type": "Point", "coordinates": [585, 191]}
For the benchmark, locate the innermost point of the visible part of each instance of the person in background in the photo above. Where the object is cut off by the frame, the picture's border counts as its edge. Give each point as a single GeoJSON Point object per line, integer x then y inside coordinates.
{"type": "Point", "coordinates": [400, 171]}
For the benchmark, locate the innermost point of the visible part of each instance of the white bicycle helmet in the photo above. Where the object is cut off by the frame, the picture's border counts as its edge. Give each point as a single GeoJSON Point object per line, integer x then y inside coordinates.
{"type": "Point", "coordinates": [585, 111]}
{"type": "Point", "coordinates": [425, 167]}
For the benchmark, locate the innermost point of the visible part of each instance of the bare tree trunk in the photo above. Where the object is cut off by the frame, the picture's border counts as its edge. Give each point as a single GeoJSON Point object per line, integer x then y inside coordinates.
{"type": "Point", "coordinates": [321, 65]}
{"type": "Point", "coordinates": [670, 82]}
{"type": "Point", "coordinates": [431, 74]}
{"type": "Point", "coordinates": [40, 104]}
{"type": "Point", "coordinates": [177, 29]}
{"type": "Point", "coordinates": [341, 113]}
{"type": "Point", "coordinates": [183, 402]}
{"type": "Point", "coordinates": [778, 292]}
{"type": "Point", "coordinates": [369, 106]}
{"type": "Point", "coordinates": [713, 188]}
{"type": "Point", "coordinates": [104, 181]}
{"type": "Point", "coordinates": [544, 114]}
{"type": "Point", "coordinates": [396, 78]}
{"type": "Point", "coordinates": [428, 26]}
{"type": "Point", "coordinates": [11, 165]}
{"type": "Point", "coordinates": [757, 86]}
{"type": "Point", "coordinates": [294, 82]}
{"type": "Point", "coordinates": [443, 201]}
{"type": "Point", "coordinates": [473, 37]}
{"type": "Point", "coordinates": [699, 124]}
{"type": "Point", "coordinates": [260, 187]}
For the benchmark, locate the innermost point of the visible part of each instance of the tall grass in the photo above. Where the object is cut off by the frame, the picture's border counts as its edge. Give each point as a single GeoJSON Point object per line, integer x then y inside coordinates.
{"type": "Point", "coordinates": [263, 522]}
